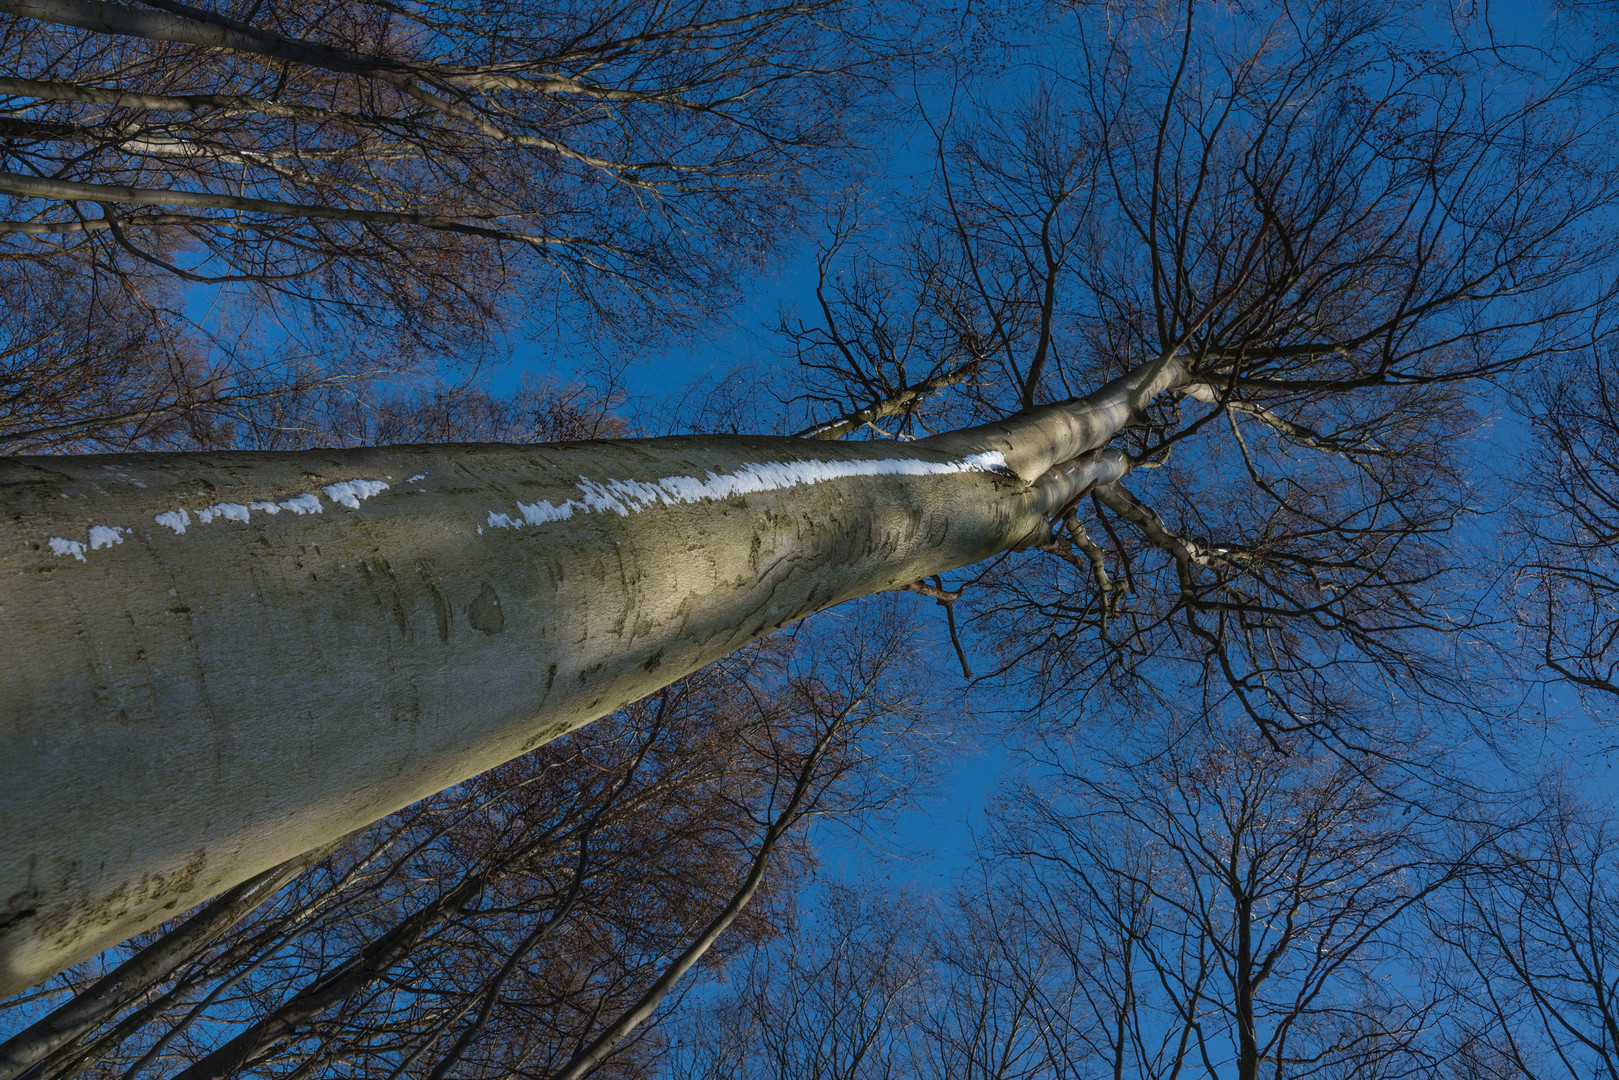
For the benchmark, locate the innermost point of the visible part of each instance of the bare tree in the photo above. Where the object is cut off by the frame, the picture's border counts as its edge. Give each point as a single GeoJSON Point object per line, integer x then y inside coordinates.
{"type": "Point", "coordinates": [84, 367]}
{"type": "Point", "coordinates": [360, 188]}
{"type": "Point", "coordinates": [1534, 934]}
{"type": "Point", "coordinates": [1300, 205]}
{"type": "Point", "coordinates": [839, 521]}
{"type": "Point", "coordinates": [1006, 1003]}
{"type": "Point", "coordinates": [832, 1002]}
{"type": "Point", "coordinates": [1284, 243]}
{"type": "Point", "coordinates": [1192, 903]}
{"type": "Point", "coordinates": [1570, 594]}
{"type": "Point", "coordinates": [377, 413]}
{"type": "Point", "coordinates": [1231, 910]}
{"type": "Point", "coordinates": [557, 128]}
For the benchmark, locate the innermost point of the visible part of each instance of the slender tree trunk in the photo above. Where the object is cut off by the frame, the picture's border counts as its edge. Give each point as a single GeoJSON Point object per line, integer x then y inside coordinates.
{"type": "Point", "coordinates": [217, 661]}
{"type": "Point", "coordinates": [1243, 963]}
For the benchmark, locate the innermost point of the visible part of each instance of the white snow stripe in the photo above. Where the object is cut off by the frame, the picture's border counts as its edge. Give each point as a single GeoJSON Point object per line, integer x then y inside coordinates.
{"type": "Point", "coordinates": [346, 493]}
{"type": "Point", "coordinates": [625, 496]}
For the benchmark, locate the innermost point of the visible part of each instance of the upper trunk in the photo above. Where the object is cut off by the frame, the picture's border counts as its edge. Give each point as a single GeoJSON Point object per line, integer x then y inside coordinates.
{"type": "Point", "coordinates": [219, 661]}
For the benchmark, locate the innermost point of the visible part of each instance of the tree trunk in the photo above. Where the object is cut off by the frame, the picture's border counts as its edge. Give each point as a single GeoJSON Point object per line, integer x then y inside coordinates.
{"type": "Point", "coordinates": [218, 661]}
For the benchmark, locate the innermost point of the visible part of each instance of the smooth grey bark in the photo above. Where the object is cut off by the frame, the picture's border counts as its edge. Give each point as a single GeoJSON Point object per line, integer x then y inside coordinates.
{"type": "Point", "coordinates": [184, 710]}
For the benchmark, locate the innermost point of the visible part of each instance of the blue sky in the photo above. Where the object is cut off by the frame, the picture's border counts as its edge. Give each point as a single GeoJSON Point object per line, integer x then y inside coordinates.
{"type": "Point", "coordinates": [932, 842]}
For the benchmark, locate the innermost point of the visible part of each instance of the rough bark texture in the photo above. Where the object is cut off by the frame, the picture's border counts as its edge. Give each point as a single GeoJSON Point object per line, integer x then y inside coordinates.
{"type": "Point", "coordinates": [183, 710]}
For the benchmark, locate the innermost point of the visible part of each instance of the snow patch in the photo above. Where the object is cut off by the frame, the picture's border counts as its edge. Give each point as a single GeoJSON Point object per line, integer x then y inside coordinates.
{"type": "Point", "coordinates": [228, 511]}
{"type": "Point", "coordinates": [349, 492]}
{"type": "Point", "coordinates": [175, 519]}
{"type": "Point", "coordinates": [540, 513]}
{"type": "Point", "coordinates": [303, 504]}
{"type": "Point", "coordinates": [105, 536]}
{"type": "Point", "coordinates": [267, 507]}
{"type": "Point", "coordinates": [60, 546]}
{"type": "Point", "coordinates": [623, 497]}
{"type": "Point", "coordinates": [418, 476]}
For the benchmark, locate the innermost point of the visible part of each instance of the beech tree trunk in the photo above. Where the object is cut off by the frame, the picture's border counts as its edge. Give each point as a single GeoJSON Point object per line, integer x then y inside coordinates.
{"type": "Point", "coordinates": [218, 661]}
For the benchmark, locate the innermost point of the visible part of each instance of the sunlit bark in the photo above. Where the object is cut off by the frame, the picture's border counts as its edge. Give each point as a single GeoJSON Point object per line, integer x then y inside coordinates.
{"type": "Point", "coordinates": [235, 658]}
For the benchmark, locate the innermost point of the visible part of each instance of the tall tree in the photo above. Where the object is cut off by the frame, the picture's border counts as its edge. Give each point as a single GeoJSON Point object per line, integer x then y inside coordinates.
{"type": "Point", "coordinates": [1230, 909]}
{"type": "Point", "coordinates": [359, 188]}
{"type": "Point", "coordinates": [831, 1003]}
{"type": "Point", "coordinates": [1005, 1003]}
{"type": "Point", "coordinates": [1533, 933]}
{"type": "Point", "coordinates": [1570, 594]}
{"type": "Point", "coordinates": [1312, 219]}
